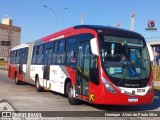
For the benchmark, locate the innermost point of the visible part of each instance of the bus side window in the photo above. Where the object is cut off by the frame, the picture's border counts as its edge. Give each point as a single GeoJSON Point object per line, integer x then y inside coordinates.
{"type": "Point", "coordinates": [21, 55]}
{"type": "Point", "coordinates": [37, 57]}
{"type": "Point", "coordinates": [39, 54]}
{"type": "Point", "coordinates": [48, 53]}
{"type": "Point", "coordinates": [17, 56]}
{"type": "Point", "coordinates": [24, 55]}
{"type": "Point", "coordinates": [71, 56]}
{"type": "Point", "coordinates": [11, 54]}
{"type": "Point", "coordinates": [93, 61]}
{"type": "Point", "coordinates": [34, 55]}
{"type": "Point", "coordinates": [71, 50]}
{"type": "Point", "coordinates": [61, 52]}
{"type": "Point", "coordinates": [15, 52]}
{"type": "Point", "coordinates": [40, 57]}
{"type": "Point", "coordinates": [54, 55]}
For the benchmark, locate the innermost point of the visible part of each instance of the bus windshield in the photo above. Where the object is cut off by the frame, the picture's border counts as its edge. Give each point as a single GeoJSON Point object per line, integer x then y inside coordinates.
{"type": "Point", "coordinates": [124, 58]}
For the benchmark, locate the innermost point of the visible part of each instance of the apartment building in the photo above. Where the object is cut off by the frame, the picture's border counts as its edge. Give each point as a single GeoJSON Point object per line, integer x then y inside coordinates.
{"type": "Point", "coordinates": [9, 36]}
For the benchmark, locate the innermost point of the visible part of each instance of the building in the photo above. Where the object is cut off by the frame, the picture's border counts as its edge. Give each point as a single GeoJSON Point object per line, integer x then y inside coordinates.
{"type": "Point", "coordinates": [155, 45]}
{"type": "Point", "coordinates": [9, 37]}
{"type": "Point", "coordinates": [156, 49]}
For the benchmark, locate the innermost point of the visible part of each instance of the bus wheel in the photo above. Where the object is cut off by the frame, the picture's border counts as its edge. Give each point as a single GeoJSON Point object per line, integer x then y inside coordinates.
{"type": "Point", "coordinates": [70, 94]}
{"type": "Point", "coordinates": [38, 87]}
{"type": "Point", "coordinates": [17, 82]}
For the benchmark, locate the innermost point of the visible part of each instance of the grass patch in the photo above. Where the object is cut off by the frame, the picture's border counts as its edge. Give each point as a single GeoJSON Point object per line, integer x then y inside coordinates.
{"type": "Point", "coordinates": [157, 87]}
{"type": "Point", "coordinates": [3, 63]}
{"type": "Point", "coordinates": [156, 73]}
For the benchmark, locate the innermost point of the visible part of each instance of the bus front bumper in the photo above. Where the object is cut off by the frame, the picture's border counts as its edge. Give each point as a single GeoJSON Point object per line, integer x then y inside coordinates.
{"type": "Point", "coordinates": [121, 99]}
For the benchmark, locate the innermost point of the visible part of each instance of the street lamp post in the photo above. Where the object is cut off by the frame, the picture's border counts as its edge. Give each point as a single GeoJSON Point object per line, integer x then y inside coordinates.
{"type": "Point", "coordinates": [56, 15]}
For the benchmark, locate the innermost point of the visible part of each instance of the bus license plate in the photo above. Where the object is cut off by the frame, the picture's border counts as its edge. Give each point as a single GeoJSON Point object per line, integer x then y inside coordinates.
{"type": "Point", "coordinates": [132, 99]}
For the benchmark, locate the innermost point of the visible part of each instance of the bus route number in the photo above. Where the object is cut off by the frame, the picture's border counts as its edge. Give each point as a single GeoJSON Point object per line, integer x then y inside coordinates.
{"type": "Point", "coordinates": [140, 90]}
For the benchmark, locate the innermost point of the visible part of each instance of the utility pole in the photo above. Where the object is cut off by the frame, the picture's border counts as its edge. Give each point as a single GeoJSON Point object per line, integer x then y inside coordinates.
{"type": "Point", "coordinates": [117, 24]}
{"type": "Point", "coordinates": [82, 19]}
{"type": "Point", "coordinates": [132, 21]}
{"type": "Point", "coordinates": [56, 15]}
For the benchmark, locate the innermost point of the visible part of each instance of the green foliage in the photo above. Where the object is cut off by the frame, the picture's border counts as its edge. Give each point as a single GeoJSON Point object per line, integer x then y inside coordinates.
{"type": "Point", "coordinates": [3, 63]}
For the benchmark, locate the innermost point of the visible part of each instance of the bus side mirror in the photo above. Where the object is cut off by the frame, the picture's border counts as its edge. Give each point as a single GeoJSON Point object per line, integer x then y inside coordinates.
{"type": "Point", "coordinates": [94, 46]}
{"type": "Point", "coordinates": [150, 50]}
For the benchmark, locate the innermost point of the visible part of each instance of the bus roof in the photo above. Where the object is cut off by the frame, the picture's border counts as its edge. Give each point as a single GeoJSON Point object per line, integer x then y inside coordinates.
{"type": "Point", "coordinates": [20, 46]}
{"type": "Point", "coordinates": [98, 28]}
{"type": "Point", "coordinates": [110, 30]}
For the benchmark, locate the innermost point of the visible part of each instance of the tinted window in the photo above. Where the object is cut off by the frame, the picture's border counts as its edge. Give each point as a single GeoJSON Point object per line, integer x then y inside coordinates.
{"type": "Point", "coordinates": [54, 52]}
{"type": "Point", "coordinates": [84, 37]}
{"type": "Point", "coordinates": [71, 56]}
{"type": "Point", "coordinates": [34, 55]}
{"type": "Point", "coordinates": [24, 54]}
{"type": "Point", "coordinates": [61, 46]}
{"type": "Point", "coordinates": [13, 59]}
{"type": "Point", "coordinates": [37, 57]}
{"type": "Point", "coordinates": [71, 43]}
{"type": "Point", "coordinates": [39, 54]}
{"type": "Point", "coordinates": [11, 56]}
{"type": "Point", "coordinates": [17, 56]}
{"type": "Point", "coordinates": [47, 59]}
{"type": "Point", "coordinates": [61, 55]}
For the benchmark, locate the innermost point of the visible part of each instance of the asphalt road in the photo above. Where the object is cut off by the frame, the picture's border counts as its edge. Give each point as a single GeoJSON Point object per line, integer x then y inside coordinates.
{"type": "Point", "coordinates": [25, 98]}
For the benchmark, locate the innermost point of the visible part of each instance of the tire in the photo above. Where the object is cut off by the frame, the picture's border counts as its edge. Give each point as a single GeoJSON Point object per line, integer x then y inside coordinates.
{"type": "Point", "coordinates": [70, 95]}
{"type": "Point", "coordinates": [38, 87]}
{"type": "Point", "coordinates": [17, 82]}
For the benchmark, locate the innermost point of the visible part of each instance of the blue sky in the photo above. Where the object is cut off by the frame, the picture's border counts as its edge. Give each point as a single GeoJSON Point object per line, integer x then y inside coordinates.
{"type": "Point", "coordinates": [37, 21]}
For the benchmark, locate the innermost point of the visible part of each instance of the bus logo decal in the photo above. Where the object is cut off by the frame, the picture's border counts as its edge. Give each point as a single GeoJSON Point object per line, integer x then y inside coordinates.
{"type": "Point", "coordinates": [56, 38]}
{"type": "Point", "coordinates": [91, 97]}
{"type": "Point", "coordinates": [133, 92]}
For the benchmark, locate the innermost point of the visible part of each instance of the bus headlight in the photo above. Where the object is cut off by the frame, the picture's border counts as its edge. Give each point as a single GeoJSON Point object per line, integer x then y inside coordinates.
{"type": "Point", "coordinates": [151, 87]}
{"type": "Point", "coordinates": [108, 86]}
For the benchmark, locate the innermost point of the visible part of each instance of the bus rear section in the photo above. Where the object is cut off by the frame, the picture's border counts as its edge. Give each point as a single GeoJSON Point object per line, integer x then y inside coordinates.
{"type": "Point", "coordinates": [17, 63]}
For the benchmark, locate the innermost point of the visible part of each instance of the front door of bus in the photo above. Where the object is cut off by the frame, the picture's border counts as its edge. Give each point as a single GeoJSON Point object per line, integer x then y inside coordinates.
{"type": "Point", "coordinates": [83, 67]}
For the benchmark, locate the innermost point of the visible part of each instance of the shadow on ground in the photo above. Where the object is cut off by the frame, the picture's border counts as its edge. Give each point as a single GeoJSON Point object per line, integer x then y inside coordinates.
{"type": "Point", "coordinates": [155, 105]}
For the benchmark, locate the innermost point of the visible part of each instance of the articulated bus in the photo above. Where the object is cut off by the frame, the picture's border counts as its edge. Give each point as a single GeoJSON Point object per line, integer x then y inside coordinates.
{"type": "Point", "coordinates": [85, 63]}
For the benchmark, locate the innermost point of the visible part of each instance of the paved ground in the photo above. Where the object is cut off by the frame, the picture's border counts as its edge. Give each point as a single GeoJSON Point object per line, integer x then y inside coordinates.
{"type": "Point", "coordinates": [25, 98]}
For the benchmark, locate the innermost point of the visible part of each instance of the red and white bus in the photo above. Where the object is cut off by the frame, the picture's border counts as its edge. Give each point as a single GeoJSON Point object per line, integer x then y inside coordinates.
{"type": "Point", "coordinates": [85, 63]}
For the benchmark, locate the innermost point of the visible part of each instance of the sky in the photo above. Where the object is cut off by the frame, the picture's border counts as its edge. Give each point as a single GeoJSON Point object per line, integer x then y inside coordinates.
{"type": "Point", "coordinates": [37, 21]}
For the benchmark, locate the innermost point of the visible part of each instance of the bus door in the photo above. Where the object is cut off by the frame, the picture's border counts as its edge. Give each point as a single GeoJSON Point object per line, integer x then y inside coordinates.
{"type": "Point", "coordinates": [20, 61]}
{"type": "Point", "coordinates": [83, 67]}
{"type": "Point", "coordinates": [20, 58]}
{"type": "Point", "coordinates": [46, 68]}
{"type": "Point", "coordinates": [23, 63]}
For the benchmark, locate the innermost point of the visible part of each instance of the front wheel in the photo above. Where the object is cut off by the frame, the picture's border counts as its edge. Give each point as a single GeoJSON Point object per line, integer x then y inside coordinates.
{"type": "Point", "coordinates": [70, 94]}
{"type": "Point", "coordinates": [17, 82]}
{"type": "Point", "coordinates": [38, 87]}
